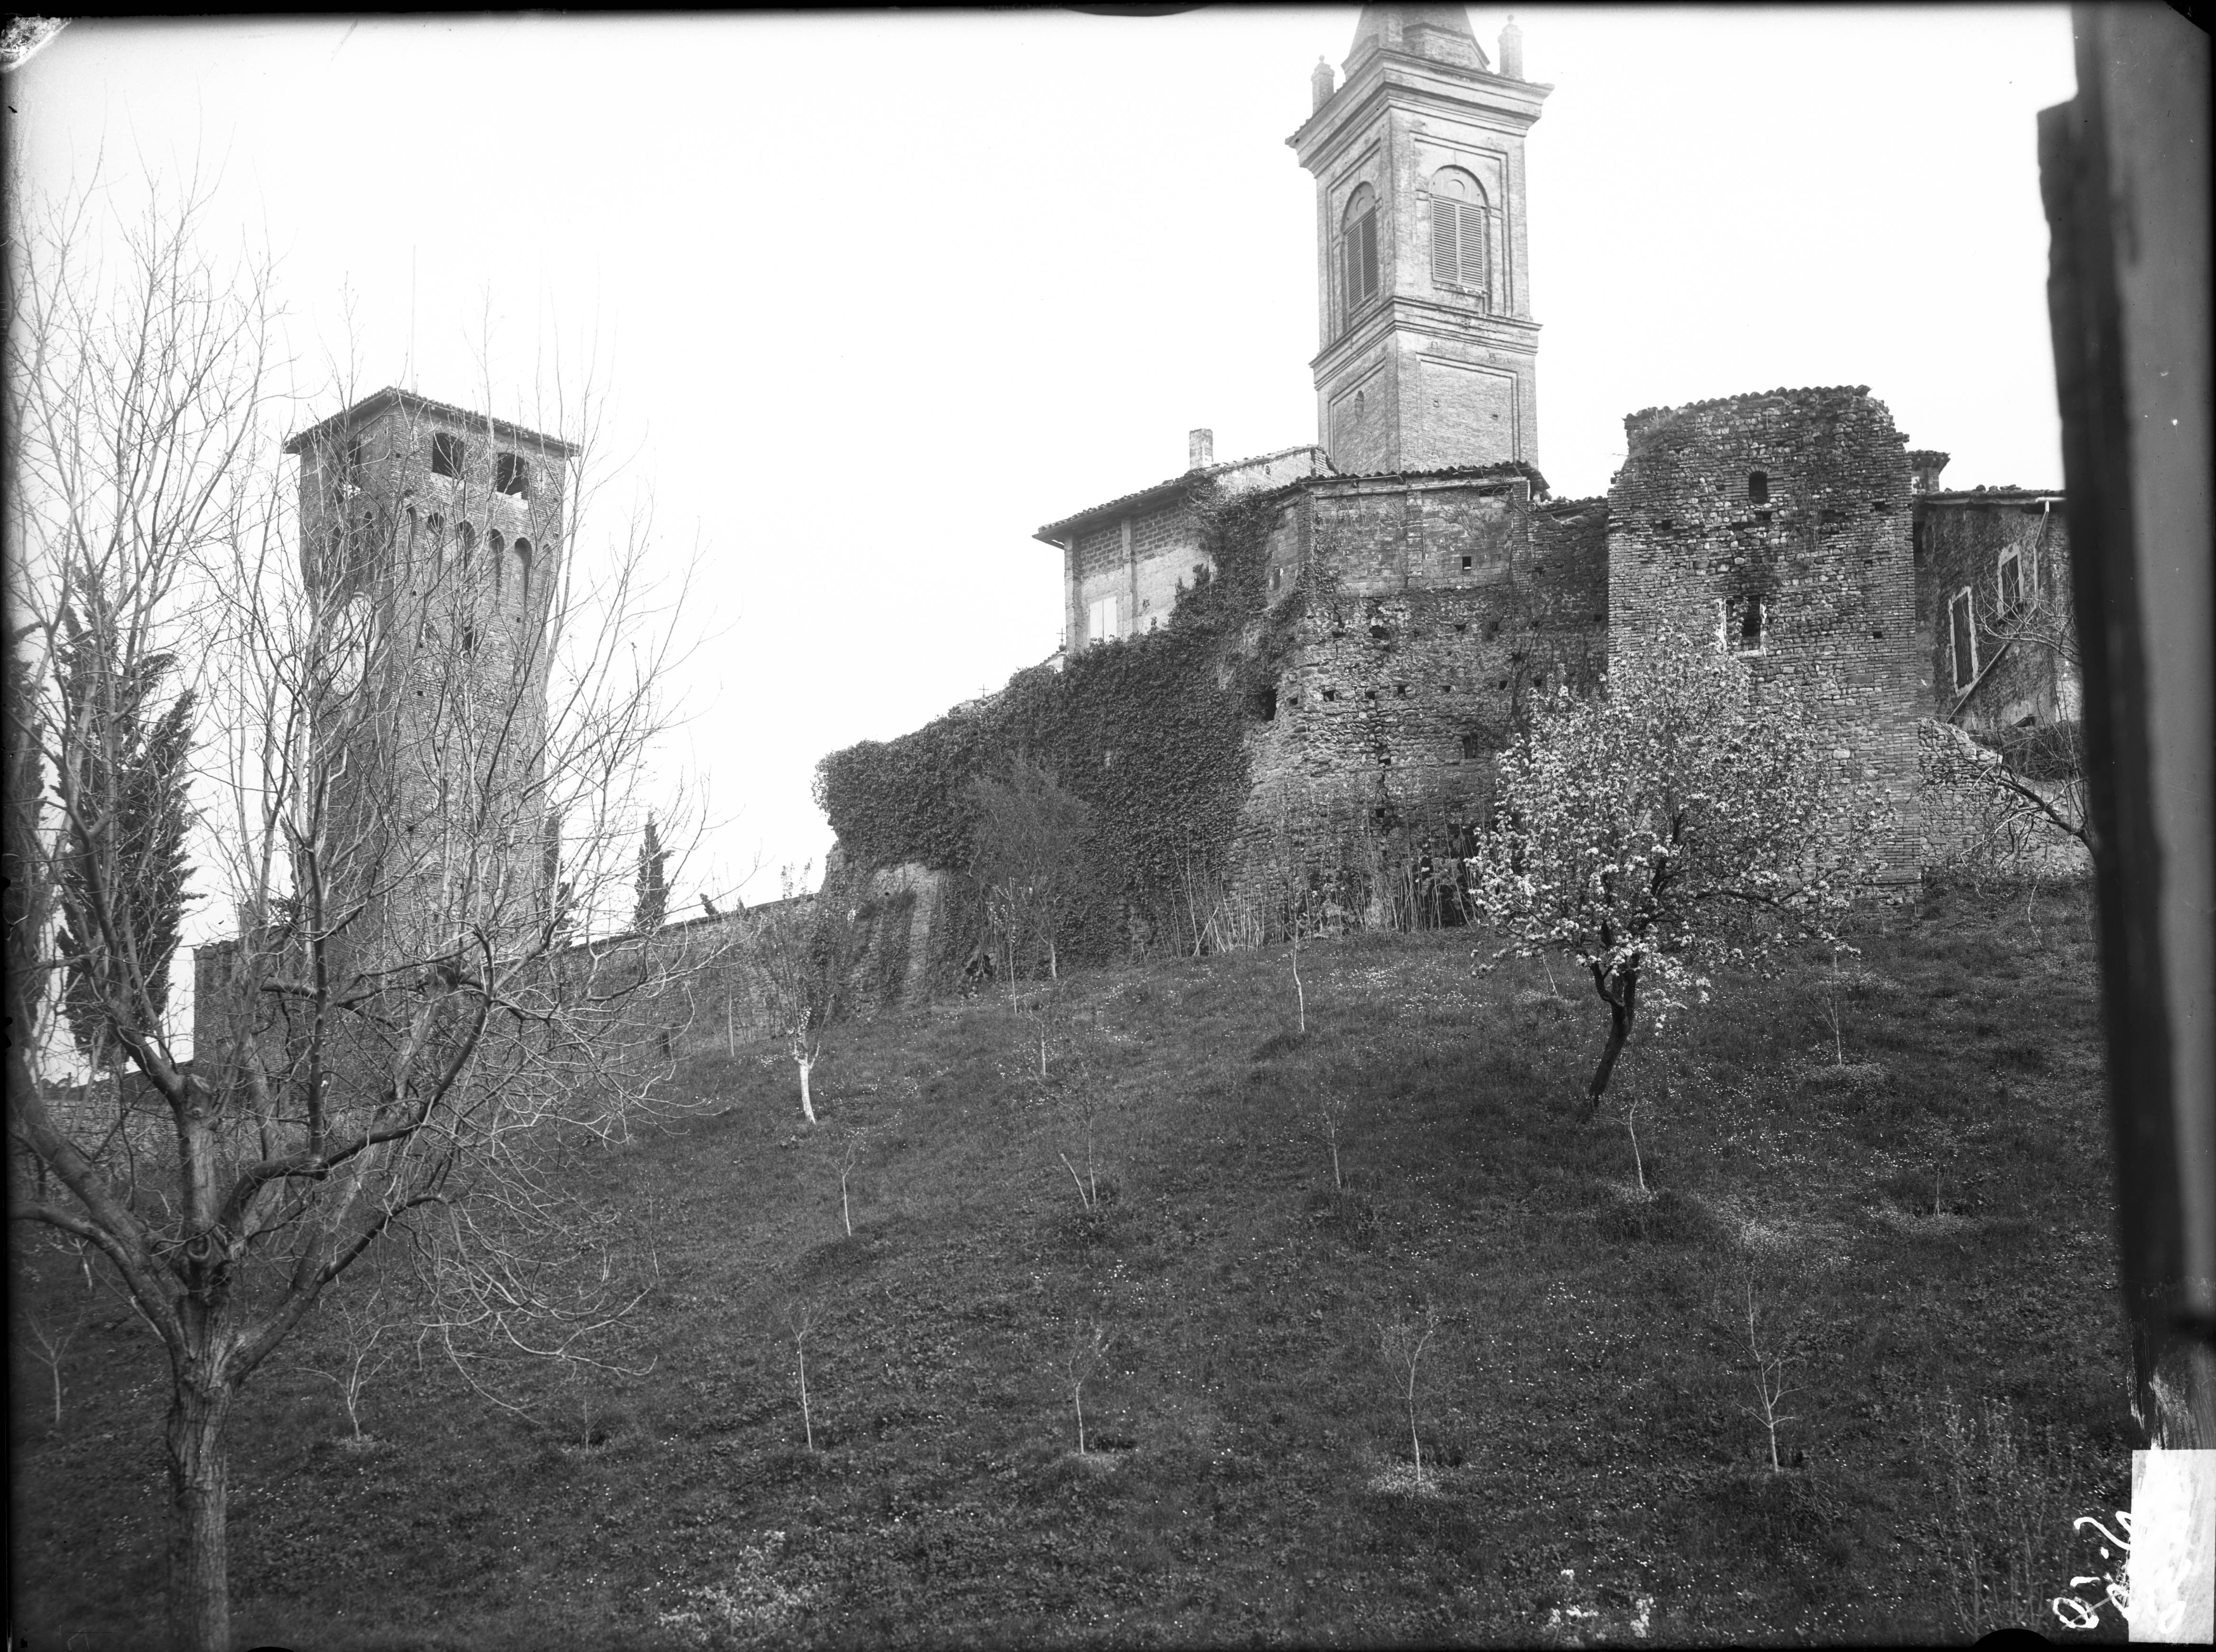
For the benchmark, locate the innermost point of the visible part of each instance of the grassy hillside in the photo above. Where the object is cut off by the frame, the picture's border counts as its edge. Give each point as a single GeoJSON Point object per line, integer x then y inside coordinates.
{"type": "Point", "coordinates": [1591, 1468]}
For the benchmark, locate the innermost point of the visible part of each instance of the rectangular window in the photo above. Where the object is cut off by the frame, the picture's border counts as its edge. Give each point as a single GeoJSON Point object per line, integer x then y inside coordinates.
{"type": "Point", "coordinates": [1963, 636]}
{"type": "Point", "coordinates": [1739, 625]}
{"type": "Point", "coordinates": [510, 475]}
{"type": "Point", "coordinates": [2012, 580]}
{"type": "Point", "coordinates": [447, 452]}
{"type": "Point", "coordinates": [1101, 622]}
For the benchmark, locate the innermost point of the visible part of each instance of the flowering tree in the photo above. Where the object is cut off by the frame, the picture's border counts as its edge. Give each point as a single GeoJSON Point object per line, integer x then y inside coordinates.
{"type": "Point", "coordinates": [1688, 815]}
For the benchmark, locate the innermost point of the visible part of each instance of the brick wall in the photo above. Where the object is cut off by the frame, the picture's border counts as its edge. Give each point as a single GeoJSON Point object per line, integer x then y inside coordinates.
{"type": "Point", "coordinates": [1827, 554]}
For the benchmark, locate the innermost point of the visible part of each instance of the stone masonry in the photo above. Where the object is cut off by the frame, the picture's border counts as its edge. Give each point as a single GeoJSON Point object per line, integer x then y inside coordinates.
{"type": "Point", "coordinates": [1777, 526]}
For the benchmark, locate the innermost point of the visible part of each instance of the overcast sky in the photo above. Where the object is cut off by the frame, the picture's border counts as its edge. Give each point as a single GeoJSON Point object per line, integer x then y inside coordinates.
{"type": "Point", "coordinates": [877, 295]}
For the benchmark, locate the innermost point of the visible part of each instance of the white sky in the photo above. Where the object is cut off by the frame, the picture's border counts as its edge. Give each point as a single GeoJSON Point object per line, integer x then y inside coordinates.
{"type": "Point", "coordinates": [877, 295]}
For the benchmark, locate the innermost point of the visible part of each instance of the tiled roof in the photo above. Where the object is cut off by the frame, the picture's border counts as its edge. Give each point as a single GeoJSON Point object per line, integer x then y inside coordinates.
{"type": "Point", "coordinates": [1124, 504]}
{"type": "Point", "coordinates": [1469, 472]}
{"type": "Point", "coordinates": [370, 405]}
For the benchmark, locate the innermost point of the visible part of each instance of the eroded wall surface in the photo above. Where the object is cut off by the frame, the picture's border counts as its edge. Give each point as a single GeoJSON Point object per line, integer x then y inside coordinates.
{"type": "Point", "coordinates": [1797, 502]}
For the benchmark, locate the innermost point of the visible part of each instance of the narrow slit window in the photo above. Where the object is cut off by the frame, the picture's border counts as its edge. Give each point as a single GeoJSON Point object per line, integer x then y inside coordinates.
{"type": "Point", "coordinates": [1758, 487]}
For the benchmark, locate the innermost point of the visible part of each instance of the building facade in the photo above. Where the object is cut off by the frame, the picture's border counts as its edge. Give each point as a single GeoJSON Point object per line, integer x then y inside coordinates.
{"type": "Point", "coordinates": [1438, 586]}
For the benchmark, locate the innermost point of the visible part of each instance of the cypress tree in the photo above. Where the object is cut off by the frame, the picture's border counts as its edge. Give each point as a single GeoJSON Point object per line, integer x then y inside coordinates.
{"type": "Point", "coordinates": [123, 834]}
{"type": "Point", "coordinates": [653, 892]}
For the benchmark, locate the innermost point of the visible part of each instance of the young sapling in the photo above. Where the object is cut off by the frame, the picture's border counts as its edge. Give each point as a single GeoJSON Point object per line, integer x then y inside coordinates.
{"type": "Point", "coordinates": [1402, 1340]}
{"type": "Point", "coordinates": [801, 1318]}
{"type": "Point", "coordinates": [1770, 1387]}
{"type": "Point", "coordinates": [50, 1346]}
{"type": "Point", "coordinates": [1331, 1122]}
{"type": "Point", "coordinates": [1086, 1355]}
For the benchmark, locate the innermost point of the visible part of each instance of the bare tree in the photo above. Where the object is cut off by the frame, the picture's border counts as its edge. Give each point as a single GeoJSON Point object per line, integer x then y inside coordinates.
{"type": "Point", "coordinates": [1027, 853]}
{"type": "Point", "coordinates": [367, 1342]}
{"type": "Point", "coordinates": [1088, 1352]}
{"type": "Point", "coordinates": [805, 949]}
{"type": "Point", "coordinates": [398, 694]}
{"type": "Point", "coordinates": [1402, 1340]}
{"type": "Point", "coordinates": [47, 1340]}
{"type": "Point", "coordinates": [1772, 1361]}
{"type": "Point", "coordinates": [1079, 1110]}
{"type": "Point", "coordinates": [852, 1142]}
{"type": "Point", "coordinates": [801, 1319]}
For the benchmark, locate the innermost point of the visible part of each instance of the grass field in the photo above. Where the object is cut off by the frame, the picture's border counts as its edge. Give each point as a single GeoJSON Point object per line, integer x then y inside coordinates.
{"type": "Point", "coordinates": [1926, 1232]}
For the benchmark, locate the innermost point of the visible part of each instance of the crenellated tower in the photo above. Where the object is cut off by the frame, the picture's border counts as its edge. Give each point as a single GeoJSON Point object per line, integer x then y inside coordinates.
{"type": "Point", "coordinates": [1430, 353]}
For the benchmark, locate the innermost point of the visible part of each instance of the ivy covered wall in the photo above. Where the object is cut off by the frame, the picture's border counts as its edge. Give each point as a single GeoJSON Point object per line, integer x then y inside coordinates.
{"type": "Point", "coordinates": [1147, 730]}
{"type": "Point", "coordinates": [1435, 604]}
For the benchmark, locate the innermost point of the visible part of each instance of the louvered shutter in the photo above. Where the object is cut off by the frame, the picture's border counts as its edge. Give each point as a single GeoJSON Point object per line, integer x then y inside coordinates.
{"type": "Point", "coordinates": [1446, 240]}
{"type": "Point", "coordinates": [1459, 243]}
{"type": "Point", "coordinates": [1367, 230]}
{"type": "Point", "coordinates": [1474, 271]}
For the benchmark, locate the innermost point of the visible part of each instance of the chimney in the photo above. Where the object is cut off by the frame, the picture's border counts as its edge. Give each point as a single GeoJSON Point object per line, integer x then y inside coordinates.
{"type": "Point", "coordinates": [1324, 79]}
{"type": "Point", "coordinates": [1200, 450]}
{"type": "Point", "coordinates": [1927, 464]}
{"type": "Point", "coordinates": [1511, 50]}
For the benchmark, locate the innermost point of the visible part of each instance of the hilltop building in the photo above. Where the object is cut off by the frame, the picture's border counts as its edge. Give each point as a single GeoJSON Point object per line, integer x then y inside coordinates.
{"type": "Point", "coordinates": [1446, 587]}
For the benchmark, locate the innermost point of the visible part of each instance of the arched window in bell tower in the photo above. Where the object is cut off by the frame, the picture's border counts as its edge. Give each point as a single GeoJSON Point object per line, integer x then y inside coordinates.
{"type": "Point", "coordinates": [1358, 252]}
{"type": "Point", "coordinates": [1461, 240]}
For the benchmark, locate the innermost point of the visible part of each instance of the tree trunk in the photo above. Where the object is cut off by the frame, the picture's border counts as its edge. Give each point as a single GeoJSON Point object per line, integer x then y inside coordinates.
{"type": "Point", "coordinates": [807, 1107]}
{"type": "Point", "coordinates": [1620, 1011]}
{"type": "Point", "coordinates": [200, 1581]}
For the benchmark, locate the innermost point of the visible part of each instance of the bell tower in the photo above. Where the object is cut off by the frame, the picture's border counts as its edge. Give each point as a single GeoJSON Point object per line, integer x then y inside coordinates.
{"type": "Point", "coordinates": [1429, 354]}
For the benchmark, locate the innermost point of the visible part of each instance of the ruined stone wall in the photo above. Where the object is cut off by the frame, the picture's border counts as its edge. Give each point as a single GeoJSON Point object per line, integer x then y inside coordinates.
{"type": "Point", "coordinates": [699, 986]}
{"type": "Point", "coordinates": [1797, 500]}
{"type": "Point", "coordinates": [2012, 671]}
{"type": "Point", "coordinates": [1423, 619]}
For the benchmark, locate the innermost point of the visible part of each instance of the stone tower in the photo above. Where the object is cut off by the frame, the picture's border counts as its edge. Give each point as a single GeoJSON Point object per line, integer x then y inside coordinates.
{"type": "Point", "coordinates": [430, 539]}
{"type": "Point", "coordinates": [1777, 526]}
{"type": "Point", "coordinates": [1429, 352]}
